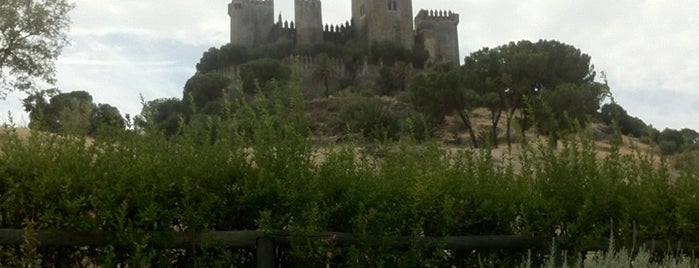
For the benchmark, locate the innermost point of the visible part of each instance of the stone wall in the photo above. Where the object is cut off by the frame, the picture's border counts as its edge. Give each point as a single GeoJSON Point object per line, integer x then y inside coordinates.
{"type": "Point", "coordinates": [305, 67]}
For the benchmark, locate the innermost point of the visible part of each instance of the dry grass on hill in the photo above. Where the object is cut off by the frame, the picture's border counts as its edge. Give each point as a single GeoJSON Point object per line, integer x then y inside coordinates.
{"type": "Point", "coordinates": [323, 114]}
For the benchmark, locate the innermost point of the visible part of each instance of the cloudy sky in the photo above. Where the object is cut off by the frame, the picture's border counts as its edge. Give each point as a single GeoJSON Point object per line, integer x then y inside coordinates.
{"type": "Point", "coordinates": [649, 48]}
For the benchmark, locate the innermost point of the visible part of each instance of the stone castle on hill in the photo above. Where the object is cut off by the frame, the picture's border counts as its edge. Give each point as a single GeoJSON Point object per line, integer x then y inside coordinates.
{"type": "Point", "coordinates": [253, 24]}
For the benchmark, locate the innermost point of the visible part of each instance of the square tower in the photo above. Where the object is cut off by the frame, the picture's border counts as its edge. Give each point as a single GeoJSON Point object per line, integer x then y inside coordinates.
{"type": "Point", "coordinates": [251, 21]}
{"type": "Point", "coordinates": [309, 21]}
{"type": "Point", "coordinates": [436, 31]}
{"type": "Point", "coordinates": [383, 20]}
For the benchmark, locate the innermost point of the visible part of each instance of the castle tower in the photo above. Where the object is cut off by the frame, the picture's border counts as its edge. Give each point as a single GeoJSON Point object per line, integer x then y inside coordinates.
{"type": "Point", "coordinates": [437, 32]}
{"type": "Point", "coordinates": [309, 21]}
{"type": "Point", "coordinates": [383, 20]}
{"type": "Point", "coordinates": [251, 21]}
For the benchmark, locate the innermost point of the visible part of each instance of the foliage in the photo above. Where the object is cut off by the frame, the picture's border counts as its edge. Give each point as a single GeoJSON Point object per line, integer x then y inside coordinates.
{"type": "Point", "coordinates": [566, 108]}
{"type": "Point", "coordinates": [67, 113]}
{"type": "Point", "coordinates": [106, 120]}
{"type": "Point", "coordinates": [260, 72]}
{"type": "Point", "coordinates": [370, 118]}
{"type": "Point", "coordinates": [614, 257]}
{"type": "Point", "coordinates": [673, 141]}
{"type": "Point", "coordinates": [389, 53]}
{"type": "Point", "coordinates": [441, 92]}
{"type": "Point", "coordinates": [203, 88]}
{"type": "Point", "coordinates": [323, 71]}
{"type": "Point", "coordinates": [254, 167]}
{"type": "Point", "coordinates": [628, 125]}
{"type": "Point", "coordinates": [71, 113]}
{"type": "Point", "coordinates": [33, 36]}
{"type": "Point", "coordinates": [395, 78]}
{"type": "Point", "coordinates": [162, 115]}
{"type": "Point", "coordinates": [520, 71]}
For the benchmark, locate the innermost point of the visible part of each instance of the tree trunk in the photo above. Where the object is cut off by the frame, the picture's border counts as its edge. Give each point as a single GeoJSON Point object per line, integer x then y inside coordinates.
{"type": "Point", "coordinates": [467, 122]}
{"type": "Point", "coordinates": [495, 119]}
{"type": "Point", "coordinates": [327, 88]}
{"type": "Point", "coordinates": [510, 116]}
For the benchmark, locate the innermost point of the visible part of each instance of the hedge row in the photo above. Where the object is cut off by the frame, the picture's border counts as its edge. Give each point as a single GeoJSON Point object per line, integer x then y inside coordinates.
{"type": "Point", "coordinates": [256, 168]}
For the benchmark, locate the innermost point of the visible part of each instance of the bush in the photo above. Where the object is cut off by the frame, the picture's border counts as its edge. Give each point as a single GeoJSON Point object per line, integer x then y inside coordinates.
{"type": "Point", "coordinates": [369, 118]}
{"type": "Point", "coordinates": [254, 168]}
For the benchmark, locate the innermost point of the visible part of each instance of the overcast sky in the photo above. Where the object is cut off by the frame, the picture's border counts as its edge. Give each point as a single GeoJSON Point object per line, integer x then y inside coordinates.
{"type": "Point", "coordinates": [648, 48]}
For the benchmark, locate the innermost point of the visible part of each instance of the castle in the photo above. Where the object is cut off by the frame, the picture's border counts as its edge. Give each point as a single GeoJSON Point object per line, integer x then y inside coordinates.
{"type": "Point", "coordinates": [253, 24]}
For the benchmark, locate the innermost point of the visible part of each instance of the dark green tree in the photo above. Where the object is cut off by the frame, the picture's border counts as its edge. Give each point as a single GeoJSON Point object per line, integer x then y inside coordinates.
{"type": "Point", "coordinates": [262, 71]}
{"type": "Point", "coordinates": [67, 113]}
{"type": "Point", "coordinates": [210, 61]}
{"type": "Point", "coordinates": [441, 92]}
{"type": "Point", "coordinates": [163, 115]}
{"type": "Point", "coordinates": [35, 104]}
{"type": "Point", "coordinates": [521, 71]}
{"type": "Point", "coordinates": [388, 53]}
{"type": "Point", "coordinates": [613, 113]}
{"type": "Point", "coordinates": [201, 89]}
{"type": "Point", "coordinates": [566, 108]}
{"type": "Point", "coordinates": [106, 120]}
{"type": "Point", "coordinates": [32, 36]}
{"type": "Point", "coordinates": [323, 70]}
{"type": "Point", "coordinates": [233, 55]}
{"type": "Point", "coordinates": [394, 78]}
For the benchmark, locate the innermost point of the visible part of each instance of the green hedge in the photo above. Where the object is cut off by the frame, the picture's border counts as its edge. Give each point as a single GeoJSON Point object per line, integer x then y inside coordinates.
{"type": "Point", "coordinates": [257, 169]}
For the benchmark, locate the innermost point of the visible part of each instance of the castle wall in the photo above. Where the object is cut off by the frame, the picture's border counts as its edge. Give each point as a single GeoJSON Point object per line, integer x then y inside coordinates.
{"type": "Point", "coordinates": [251, 21]}
{"type": "Point", "coordinates": [309, 21]}
{"type": "Point", "coordinates": [384, 20]}
{"type": "Point", "coordinates": [339, 34]}
{"type": "Point", "coordinates": [437, 32]}
{"type": "Point", "coordinates": [305, 66]}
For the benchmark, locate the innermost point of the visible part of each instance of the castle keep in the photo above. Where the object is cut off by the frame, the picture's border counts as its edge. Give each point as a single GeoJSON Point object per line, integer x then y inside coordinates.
{"type": "Point", "coordinates": [253, 24]}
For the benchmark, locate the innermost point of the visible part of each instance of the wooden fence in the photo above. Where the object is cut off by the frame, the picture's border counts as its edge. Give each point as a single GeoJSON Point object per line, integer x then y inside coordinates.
{"type": "Point", "coordinates": [265, 244]}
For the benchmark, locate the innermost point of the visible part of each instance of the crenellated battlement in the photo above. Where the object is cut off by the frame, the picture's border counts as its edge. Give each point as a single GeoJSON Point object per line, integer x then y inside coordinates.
{"type": "Point", "coordinates": [437, 15]}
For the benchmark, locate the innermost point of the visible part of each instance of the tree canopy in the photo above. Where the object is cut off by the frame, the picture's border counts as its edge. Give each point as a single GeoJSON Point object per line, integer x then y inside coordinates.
{"type": "Point", "coordinates": [553, 78]}
{"type": "Point", "coordinates": [32, 36]}
{"type": "Point", "coordinates": [203, 88]}
{"type": "Point", "coordinates": [72, 113]}
{"type": "Point", "coordinates": [261, 71]}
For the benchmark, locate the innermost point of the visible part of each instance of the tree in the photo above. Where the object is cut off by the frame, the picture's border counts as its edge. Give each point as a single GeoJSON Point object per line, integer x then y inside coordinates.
{"type": "Point", "coordinates": [613, 113]}
{"type": "Point", "coordinates": [67, 113]}
{"type": "Point", "coordinates": [261, 71]}
{"type": "Point", "coordinates": [32, 36]}
{"type": "Point", "coordinates": [566, 108]}
{"type": "Point", "coordinates": [35, 104]}
{"type": "Point", "coordinates": [440, 93]}
{"type": "Point", "coordinates": [201, 89]}
{"type": "Point", "coordinates": [323, 70]}
{"type": "Point", "coordinates": [388, 53]}
{"type": "Point", "coordinates": [210, 61]}
{"type": "Point", "coordinates": [234, 54]}
{"type": "Point", "coordinates": [105, 120]}
{"type": "Point", "coordinates": [522, 71]}
{"type": "Point", "coordinates": [394, 78]}
{"type": "Point", "coordinates": [163, 114]}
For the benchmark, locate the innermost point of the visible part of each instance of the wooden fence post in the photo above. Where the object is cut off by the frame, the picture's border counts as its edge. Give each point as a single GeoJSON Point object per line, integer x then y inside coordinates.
{"type": "Point", "coordinates": [266, 253]}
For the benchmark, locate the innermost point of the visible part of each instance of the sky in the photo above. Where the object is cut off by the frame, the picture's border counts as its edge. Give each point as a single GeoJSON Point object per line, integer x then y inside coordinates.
{"type": "Point", "coordinates": [127, 50]}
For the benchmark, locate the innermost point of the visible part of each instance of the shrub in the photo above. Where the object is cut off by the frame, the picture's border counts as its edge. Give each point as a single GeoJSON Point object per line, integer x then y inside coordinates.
{"type": "Point", "coordinates": [254, 168]}
{"type": "Point", "coordinates": [369, 118]}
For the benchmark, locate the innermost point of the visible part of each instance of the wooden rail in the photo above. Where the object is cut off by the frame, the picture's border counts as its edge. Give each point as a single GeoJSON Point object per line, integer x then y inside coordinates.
{"type": "Point", "coordinates": [265, 243]}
